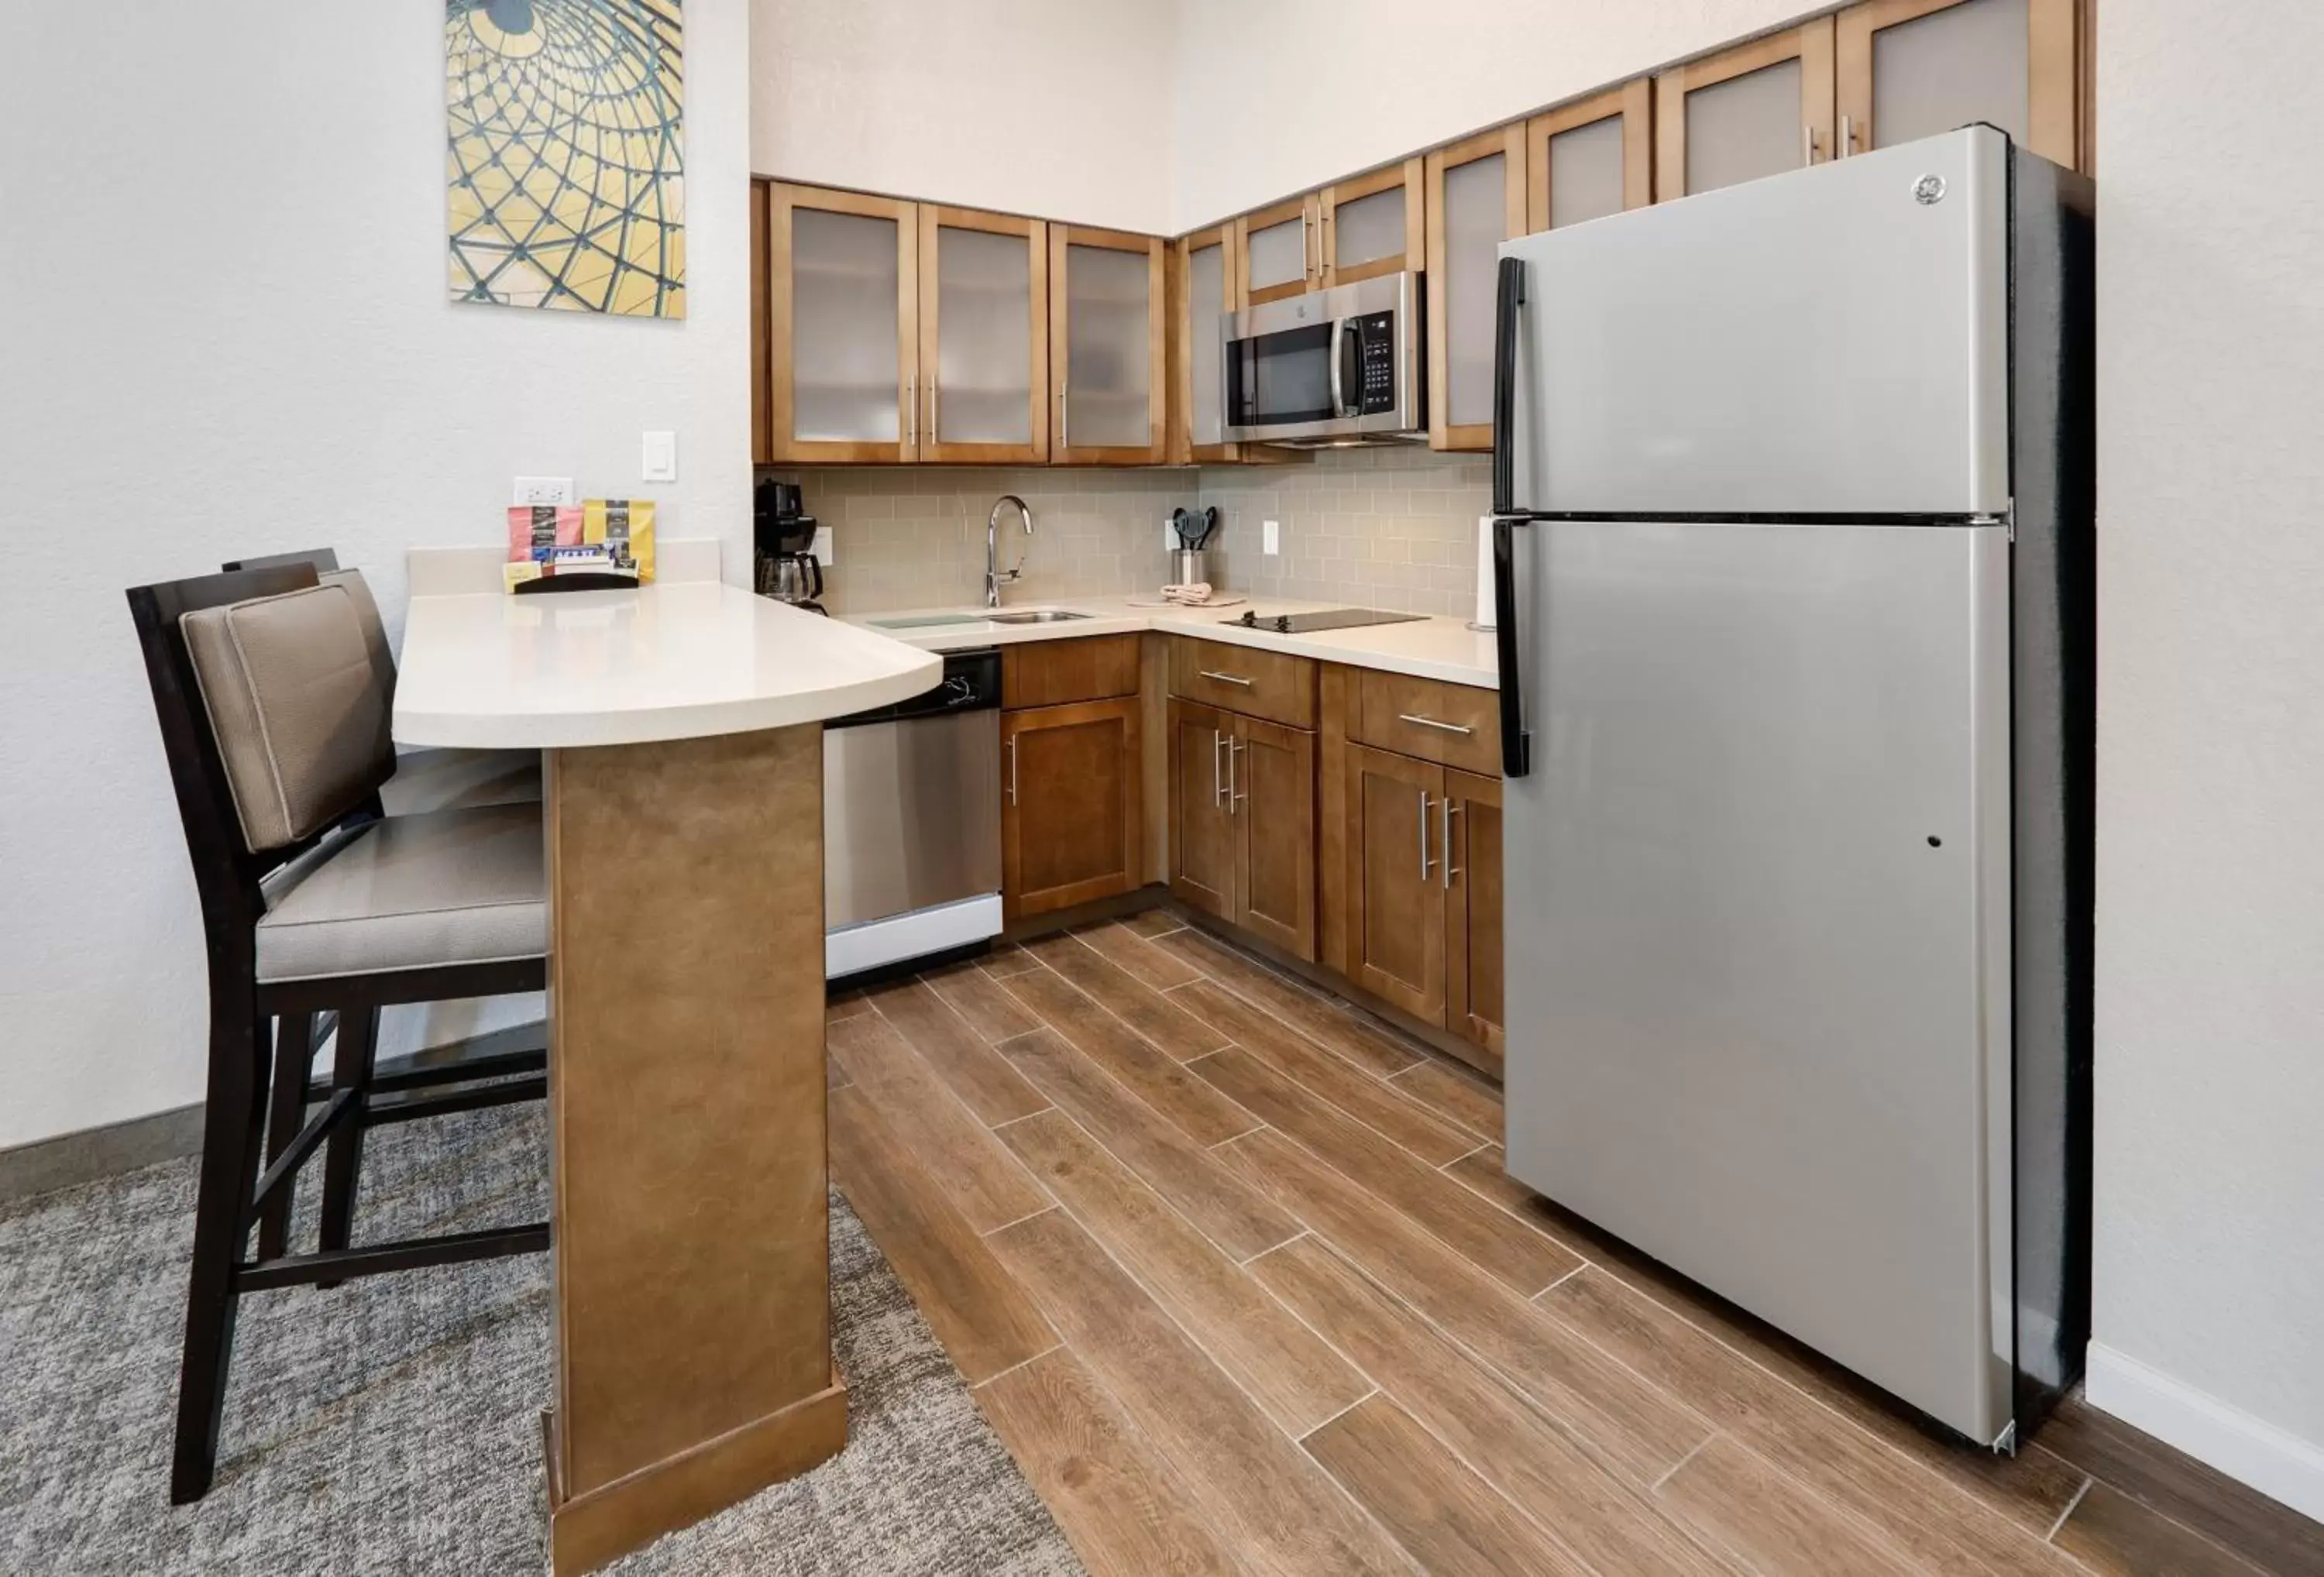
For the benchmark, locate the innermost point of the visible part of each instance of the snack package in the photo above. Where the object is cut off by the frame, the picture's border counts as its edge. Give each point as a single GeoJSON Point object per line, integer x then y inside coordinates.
{"type": "Point", "coordinates": [624, 529]}
{"type": "Point", "coordinates": [534, 528]}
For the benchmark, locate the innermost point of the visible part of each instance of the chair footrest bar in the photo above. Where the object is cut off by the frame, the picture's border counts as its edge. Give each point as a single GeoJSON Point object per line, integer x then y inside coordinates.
{"type": "Point", "coordinates": [378, 1259]}
{"type": "Point", "coordinates": [497, 1065]}
{"type": "Point", "coordinates": [410, 1107]}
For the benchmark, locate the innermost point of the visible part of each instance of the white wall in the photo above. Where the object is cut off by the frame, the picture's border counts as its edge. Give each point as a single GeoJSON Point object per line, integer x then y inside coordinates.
{"type": "Point", "coordinates": [1278, 96]}
{"type": "Point", "coordinates": [224, 330]}
{"type": "Point", "coordinates": [2210, 816]}
{"type": "Point", "coordinates": [1057, 108]}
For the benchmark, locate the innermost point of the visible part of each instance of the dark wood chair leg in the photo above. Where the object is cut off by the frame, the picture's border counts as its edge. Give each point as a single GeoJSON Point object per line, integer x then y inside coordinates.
{"type": "Point", "coordinates": [233, 1122]}
{"type": "Point", "coordinates": [351, 1069]}
{"type": "Point", "coordinates": [286, 1113]}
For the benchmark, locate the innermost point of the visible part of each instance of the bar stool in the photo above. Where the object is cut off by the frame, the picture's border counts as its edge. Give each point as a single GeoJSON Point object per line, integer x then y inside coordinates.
{"type": "Point", "coordinates": [275, 723]}
{"type": "Point", "coordinates": [438, 779]}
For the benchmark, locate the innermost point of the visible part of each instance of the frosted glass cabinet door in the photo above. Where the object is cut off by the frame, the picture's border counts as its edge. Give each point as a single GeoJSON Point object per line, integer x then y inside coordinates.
{"type": "Point", "coordinates": [1372, 225]}
{"type": "Point", "coordinates": [1911, 69]}
{"type": "Point", "coordinates": [841, 285]}
{"type": "Point", "coordinates": [1589, 158]}
{"type": "Point", "coordinates": [1476, 199]}
{"type": "Point", "coordinates": [983, 337]}
{"type": "Point", "coordinates": [1106, 337]}
{"type": "Point", "coordinates": [1758, 109]}
{"type": "Point", "coordinates": [1280, 256]}
{"type": "Point", "coordinates": [1206, 272]}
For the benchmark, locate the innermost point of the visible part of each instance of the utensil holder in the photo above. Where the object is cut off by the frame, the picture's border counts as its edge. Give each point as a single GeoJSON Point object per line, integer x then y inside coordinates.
{"type": "Point", "coordinates": [1189, 565]}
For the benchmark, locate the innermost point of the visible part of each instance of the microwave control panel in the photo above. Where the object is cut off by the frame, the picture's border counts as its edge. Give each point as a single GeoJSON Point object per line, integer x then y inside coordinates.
{"type": "Point", "coordinates": [1375, 389]}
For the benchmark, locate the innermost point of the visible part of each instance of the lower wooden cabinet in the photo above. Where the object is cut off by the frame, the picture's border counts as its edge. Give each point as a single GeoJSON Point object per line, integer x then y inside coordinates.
{"type": "Point", "coordinates": [1243, 822]}
{"type": "Point", "coordinates": [1069, 805]}
{"type": "Point", "coordinates": [1423, 844]}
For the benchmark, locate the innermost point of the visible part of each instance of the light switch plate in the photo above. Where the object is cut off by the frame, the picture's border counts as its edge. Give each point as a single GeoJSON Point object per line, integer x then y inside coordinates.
{"type": "Point", "coordinates": [1270, 537]}
{"type": "Point", "coordinates": [542, 490]}
{"type": "Point", "coordinates": [822, 546]}
{"type": "Point", "coordinates": [1169, 537]}
{"type": "Point", "coordinates": [661, 457]}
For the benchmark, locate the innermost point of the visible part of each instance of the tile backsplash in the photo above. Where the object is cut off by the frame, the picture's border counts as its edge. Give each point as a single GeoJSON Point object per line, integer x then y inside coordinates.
{"type": "Point", "coordinates": [913, 536]}
{"type": "Point", "coordinates": [1388, 528]}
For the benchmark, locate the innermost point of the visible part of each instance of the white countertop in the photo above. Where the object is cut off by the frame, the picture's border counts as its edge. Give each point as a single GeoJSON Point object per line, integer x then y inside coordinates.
{"type": "Point", "coordinates": [666, 661]}
{"type": "Point", "coordinates": [1433, 648]}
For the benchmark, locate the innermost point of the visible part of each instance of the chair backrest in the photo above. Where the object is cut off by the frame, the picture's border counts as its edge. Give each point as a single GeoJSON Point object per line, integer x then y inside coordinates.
{"type": "Point", "coordinates": [322, 560]}
{"type": "Point", "coordinates": [325, 564]}
{"type": "Point", "coordinates": [291, 800]}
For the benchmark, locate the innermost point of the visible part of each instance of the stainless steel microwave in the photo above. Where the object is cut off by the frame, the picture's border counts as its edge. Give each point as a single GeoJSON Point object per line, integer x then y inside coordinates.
{"type": "Point", "coordinates": [1330, 367]}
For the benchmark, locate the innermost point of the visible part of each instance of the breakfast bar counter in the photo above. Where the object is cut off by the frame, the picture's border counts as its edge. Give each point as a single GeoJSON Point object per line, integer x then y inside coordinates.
{"type": "Point", "coordinates": [682, 808]}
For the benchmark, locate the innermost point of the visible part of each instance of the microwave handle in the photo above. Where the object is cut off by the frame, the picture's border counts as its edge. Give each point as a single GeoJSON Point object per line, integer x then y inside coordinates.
{"type": "Point", "coordinates": [1339, 396]}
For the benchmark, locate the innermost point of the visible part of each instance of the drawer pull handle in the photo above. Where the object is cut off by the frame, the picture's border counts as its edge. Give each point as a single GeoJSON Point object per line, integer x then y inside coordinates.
{"type": "Point", "coordinates": [1432, 723]}
{"type": "Point", "coordinates": [1230, 679]}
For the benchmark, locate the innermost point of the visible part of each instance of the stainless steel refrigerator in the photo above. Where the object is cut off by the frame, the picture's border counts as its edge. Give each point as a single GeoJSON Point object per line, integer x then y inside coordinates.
{"type": "Point", "coordinates": [1793, 494]}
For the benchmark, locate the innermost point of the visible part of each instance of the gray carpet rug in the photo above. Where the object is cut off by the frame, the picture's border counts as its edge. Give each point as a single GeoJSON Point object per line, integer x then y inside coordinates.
{"type": "Point", "coordinates": [392, 1424]}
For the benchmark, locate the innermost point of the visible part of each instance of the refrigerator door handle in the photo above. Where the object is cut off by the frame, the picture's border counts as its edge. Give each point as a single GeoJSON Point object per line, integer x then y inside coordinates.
{"type": "Point", "coordinates": [1508, 302]}
{"type": "Point", "coordinates": [1517, 744]}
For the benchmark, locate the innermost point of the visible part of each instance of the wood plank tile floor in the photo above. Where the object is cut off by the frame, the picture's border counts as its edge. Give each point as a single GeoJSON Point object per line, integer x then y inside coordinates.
{"type": "Point", "coordinates": [1235, 1273]}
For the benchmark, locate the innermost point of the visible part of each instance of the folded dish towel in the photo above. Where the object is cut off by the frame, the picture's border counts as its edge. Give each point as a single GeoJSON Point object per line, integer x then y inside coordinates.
{"type": "Point", "coordinates": [1193, 593]}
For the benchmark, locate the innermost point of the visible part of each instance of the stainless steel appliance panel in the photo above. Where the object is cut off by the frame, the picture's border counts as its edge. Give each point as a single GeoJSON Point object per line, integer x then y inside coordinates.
{"type": "Point", "coordinates": [1832, 340]}
{"type": "Point", "coordinates": [911, 814]}
{"type": "Point", "coordinates": [1760, 926]}
{"type": "Point", "coordinates": [1327, 367]}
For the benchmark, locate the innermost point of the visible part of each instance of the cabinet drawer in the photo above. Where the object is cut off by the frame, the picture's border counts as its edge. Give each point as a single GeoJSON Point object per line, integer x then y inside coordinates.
{"type": "Point", "coordinates": [1053, 673]}
{"type": "Point", "coordinates": [1458, 725]}
{"type": "Point", "coordinates": [1273, 685]}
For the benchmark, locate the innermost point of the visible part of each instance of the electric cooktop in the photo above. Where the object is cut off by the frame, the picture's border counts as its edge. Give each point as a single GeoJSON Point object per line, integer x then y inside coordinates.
{"type": "Point", "coordinates": [1323, 619]}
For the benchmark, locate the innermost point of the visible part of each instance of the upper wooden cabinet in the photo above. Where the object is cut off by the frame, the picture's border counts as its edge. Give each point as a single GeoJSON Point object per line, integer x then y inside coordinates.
{"type": "Point", "coordinates": [1106, 300]}
{"type": "Point", "coordinates": [1476, 199]}
{"type": "Point", "coordinates": [1757, 109]}
{"type": "Point", "coordinates": [1275, 249]}
{"type": "Point", "coordinates": [1209, 282]}
{"type": "Point", "coordinates": [1910, 68]}
{"type": "Point", "coordinates": [985, 338]}
{"type": "Point", "coordinates": [843, 320]}
{"type": "Point", "coordinates": [1354, 229]}
{"type": "Point", "coordinates": [1590, 158]}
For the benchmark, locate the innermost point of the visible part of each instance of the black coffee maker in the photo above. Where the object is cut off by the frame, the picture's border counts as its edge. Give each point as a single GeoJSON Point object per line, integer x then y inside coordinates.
{"type": "Point", "coordinates": [783, 546]}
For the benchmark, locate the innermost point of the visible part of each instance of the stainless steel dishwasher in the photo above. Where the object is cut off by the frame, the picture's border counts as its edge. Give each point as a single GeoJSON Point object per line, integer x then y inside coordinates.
{"type": "Point", "coordinates": [911, 822]}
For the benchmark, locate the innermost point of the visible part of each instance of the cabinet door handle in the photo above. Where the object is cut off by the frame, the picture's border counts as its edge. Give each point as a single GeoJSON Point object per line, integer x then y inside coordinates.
{"type": "Point", "coordinates": [1807, 144]}
{"type": "Point", "coordinates": [1847, 136]}
{"type": "Point", "coordinates": [1218, 788]}
{"type": "Point", "coordinates": [1445, 866]}
{"type": "Point", "coordinates": [1425, 801]}
{"type": "Point", "coordinates": [1065, 413]}
{"type": "Point", "coordinates": [912, 411]}
{"type": "Point", "coordinates": [1432, 723]}
{"type": "Point", "coordinates": [1012, 770]}
{"type": "Point", "coordinates": [935, 405]}
{"type": "Point", "coordinates": [1224, 678]}
{"type": "Point", "coordinates": [1235, 794]}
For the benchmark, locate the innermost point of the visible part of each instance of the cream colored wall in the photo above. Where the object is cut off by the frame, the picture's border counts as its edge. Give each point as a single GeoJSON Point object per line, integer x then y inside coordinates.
{"type": "Point", "coordinates": [1370, 528]}
{"type": "Point", "coordinates": [1057, 108]}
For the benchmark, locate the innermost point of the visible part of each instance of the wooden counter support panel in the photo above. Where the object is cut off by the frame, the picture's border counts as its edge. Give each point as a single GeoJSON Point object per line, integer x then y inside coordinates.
{"type": "Point", "coordinates": [687, 1084]}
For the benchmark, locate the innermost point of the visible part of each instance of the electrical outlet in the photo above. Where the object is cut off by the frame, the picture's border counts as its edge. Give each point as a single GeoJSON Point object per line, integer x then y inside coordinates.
{"type": "Point", "coordinates": [542, 490]}
{"type": "Point", "coordinates": [1170, 542]}
{"type": "Point", "coordinates": [821, 547]}
{"type": "Point", "coordinates": [1270, 537]}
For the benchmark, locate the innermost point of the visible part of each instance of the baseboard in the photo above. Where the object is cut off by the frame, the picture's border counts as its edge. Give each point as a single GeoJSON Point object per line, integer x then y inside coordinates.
{"type": "Point", "coordinates": [47, 1165]}
{"type": "Point", "coordinates": [2274, 1461]}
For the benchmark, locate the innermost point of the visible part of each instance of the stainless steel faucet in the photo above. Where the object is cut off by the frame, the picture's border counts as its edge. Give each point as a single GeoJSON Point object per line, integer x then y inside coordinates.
{"type": "Point", "coordinates": [992, 576]}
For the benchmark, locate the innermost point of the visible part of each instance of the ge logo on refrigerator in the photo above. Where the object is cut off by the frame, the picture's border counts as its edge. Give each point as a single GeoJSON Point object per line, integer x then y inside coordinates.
{"type": "Point", "coordinates": [1928, 190]}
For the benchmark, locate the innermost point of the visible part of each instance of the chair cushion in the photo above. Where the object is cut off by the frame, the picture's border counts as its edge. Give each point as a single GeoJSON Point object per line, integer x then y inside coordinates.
{"type": "Point", "coordinates": [374, 627]}
{"type": "Point", "coordinates": [413, 892]}
{"type": "Point", "coordinates": [453, 779]}
{"type": "Point", "coordinates": [295, 702]}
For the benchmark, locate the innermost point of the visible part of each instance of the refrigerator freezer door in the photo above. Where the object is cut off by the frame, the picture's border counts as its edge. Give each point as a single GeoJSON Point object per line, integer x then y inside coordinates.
{"type": "Point", "coordinates": [1834, 340]}
{"type": "Point", "coordinates": [1758, 927]}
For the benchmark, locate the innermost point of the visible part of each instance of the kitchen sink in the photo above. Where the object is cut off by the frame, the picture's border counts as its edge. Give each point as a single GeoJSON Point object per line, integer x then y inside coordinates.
{"type": "Point", "coordinates": [1034, 616]}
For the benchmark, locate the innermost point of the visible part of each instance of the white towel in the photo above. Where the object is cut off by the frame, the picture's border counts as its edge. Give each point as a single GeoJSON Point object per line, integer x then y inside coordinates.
{"type": "Point", "coordinates": [1193, 593]}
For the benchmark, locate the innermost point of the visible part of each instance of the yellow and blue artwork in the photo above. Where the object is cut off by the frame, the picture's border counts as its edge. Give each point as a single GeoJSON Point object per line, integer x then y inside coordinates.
{"type": "Point", "coordinates": [565, 155]}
